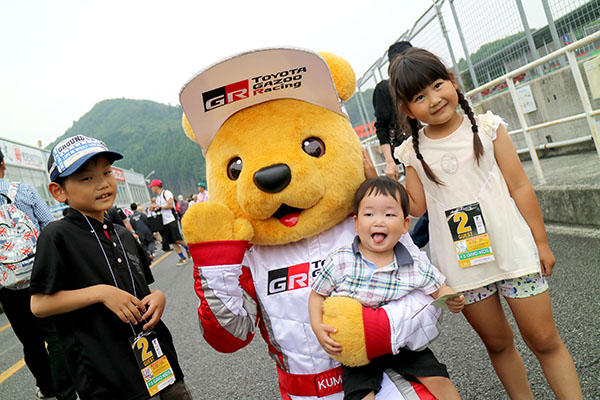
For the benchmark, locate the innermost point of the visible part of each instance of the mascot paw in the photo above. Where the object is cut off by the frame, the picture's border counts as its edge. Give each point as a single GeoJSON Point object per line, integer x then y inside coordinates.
{"type": "Point", "coordinates": [211, 221]}
{"type": "Point", "coordinates": [346, 316]}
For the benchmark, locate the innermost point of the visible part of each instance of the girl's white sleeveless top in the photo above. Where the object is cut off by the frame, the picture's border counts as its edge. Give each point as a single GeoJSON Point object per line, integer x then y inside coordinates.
{"type": "Point", "coordinates": [453, 161]}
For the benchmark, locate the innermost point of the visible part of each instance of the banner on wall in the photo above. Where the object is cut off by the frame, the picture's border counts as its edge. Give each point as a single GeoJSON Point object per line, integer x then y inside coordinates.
{"type": "Point", "coordinates": [118, 174]}
{"type": "Point", "coordinates": [24, 156]}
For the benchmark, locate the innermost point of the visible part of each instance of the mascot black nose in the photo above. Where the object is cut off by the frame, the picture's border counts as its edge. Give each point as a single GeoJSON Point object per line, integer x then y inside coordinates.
{"type": "Point", "coordinates": [273, 179]}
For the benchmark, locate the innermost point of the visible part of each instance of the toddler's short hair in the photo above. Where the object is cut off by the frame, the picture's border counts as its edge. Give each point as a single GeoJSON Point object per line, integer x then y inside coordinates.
{"type": "Point", "coordinates": [382, 185]}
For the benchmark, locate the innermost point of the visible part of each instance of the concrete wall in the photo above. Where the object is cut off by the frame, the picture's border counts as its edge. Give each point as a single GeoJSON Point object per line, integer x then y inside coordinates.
{"type": "Point", "coordinates": [555, 97]}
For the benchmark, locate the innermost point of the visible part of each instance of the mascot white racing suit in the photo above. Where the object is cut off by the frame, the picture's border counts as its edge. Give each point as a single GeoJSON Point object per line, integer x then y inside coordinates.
{"type": "Point", "coordinates": [241, 287]}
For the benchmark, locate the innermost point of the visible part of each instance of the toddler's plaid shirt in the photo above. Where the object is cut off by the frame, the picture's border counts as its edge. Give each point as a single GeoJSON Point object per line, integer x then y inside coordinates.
{"type": "Point", "coordinates": [346, 273]}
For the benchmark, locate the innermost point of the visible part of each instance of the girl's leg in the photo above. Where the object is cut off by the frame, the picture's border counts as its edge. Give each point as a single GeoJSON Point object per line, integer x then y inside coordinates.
{"type": "Point", "coordinates": [490, 323]}
{"type": "Point", "coordinates": [536, 323]}
{"type": "Point", "coordinates": [439, 386]}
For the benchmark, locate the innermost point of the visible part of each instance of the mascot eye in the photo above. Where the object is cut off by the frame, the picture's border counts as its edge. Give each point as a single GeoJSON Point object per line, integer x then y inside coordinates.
{"type": "Point", "coordinates": [314, 147]}
{"type": "Point", "coordinates": [234, 168]}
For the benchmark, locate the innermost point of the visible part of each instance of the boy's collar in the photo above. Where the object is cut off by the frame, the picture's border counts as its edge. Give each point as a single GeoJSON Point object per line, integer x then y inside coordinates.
{"type": "Point", "coordinates": [74, 214]}
{"type": "Point", "coordinates": [401, 253]}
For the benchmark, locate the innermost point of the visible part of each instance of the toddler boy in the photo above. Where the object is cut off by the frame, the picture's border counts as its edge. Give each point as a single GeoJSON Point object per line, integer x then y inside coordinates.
{"type": "Point", "coordinates": [93, 276]}
{"type": "Point", "coordinates": [374, 270]}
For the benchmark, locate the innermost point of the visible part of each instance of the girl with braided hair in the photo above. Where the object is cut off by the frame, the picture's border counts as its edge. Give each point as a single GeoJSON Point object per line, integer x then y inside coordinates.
{"type": "Point", "coordinates": [487, 234]}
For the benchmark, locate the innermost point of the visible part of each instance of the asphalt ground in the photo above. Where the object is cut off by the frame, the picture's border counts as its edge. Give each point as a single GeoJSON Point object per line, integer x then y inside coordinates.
{"type": "Point", "coordinates": [571, 169]}
{"type": "Point", "coordinates": [250, 373]}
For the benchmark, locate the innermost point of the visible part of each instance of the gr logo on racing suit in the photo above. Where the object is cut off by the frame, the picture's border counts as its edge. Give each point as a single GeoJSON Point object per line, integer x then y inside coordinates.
{"type": "Point", "coordinates": [225, 95]}
{"type": "Point", "coordinates": [292, 277]}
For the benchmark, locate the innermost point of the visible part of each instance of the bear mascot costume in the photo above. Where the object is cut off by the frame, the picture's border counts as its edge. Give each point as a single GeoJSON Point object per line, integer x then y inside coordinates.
{"type": "Point", "coordinates": [283, 163]}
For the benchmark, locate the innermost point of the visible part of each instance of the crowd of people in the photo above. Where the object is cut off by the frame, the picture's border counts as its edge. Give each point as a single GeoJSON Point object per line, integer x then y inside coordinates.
{"type": "Point", "coordinates": [89, 298]}
{"type": "Point", "coordinates": [160, 222]}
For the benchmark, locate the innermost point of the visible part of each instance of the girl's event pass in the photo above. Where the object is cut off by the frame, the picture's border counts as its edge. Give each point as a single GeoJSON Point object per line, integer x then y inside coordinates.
{"type": "Point", "coordinates": [155, 367]}
{"type": "Point", "coordinates": [471, 240]}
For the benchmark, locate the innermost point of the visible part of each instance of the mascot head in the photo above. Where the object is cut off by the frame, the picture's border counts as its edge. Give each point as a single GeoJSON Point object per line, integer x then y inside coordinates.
{"type": "Point", "coordinates": [280, 152]}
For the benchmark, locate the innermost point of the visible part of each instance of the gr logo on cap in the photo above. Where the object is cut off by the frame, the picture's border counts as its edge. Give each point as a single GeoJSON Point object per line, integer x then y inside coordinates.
{"type": "Point", "coordinates": [73, 152]}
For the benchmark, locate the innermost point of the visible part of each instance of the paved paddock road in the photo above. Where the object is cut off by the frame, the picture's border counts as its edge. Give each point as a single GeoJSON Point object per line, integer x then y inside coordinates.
{"type": "Point", "coordinates": [250, 374]}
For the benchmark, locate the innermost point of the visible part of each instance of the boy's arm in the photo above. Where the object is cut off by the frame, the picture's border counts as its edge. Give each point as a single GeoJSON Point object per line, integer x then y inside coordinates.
{"type": "Point", "coordinates": [126, 306]}
{"type": "Point", "coordinates": [322, 331]}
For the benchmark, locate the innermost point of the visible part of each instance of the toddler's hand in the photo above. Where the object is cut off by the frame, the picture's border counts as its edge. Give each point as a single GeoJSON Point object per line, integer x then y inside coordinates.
{"type": "Point", "coordinates": [125, 305]}
{"type": "Point", "coordinates": [329, 345]}
{"type": "Point", "coordinates": [155, 305]}
{"type": "Point", "coordinates": [456, 304]}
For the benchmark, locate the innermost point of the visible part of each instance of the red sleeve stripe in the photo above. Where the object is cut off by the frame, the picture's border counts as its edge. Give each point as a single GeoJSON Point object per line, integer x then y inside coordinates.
{"type": "Point", "coordinates": [213, 332]}
{"type": "Point", "coordinates": [377, 332]}
{"type": "Point", "coordinates": [225, 252]}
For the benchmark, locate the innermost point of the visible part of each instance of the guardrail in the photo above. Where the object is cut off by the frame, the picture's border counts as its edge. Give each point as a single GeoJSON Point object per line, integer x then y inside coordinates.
{"type": "Point", "coordinates": [588, 113]}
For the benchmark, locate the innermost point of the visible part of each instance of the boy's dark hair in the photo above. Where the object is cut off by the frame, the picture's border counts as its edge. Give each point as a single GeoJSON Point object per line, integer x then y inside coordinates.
{"type": "Point", "coordinates": [1, 157]}
{"type": "Point", "coordinates": [385, 186]}
{"type": "Point", "coordinates": [133, 206]}
{"type": "Point", "coordinates": [412, 72]}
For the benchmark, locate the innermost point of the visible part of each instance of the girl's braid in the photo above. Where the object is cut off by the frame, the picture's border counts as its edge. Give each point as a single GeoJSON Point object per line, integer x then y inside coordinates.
{"type": "Point", "coordinates": [477, 146]}
{"type": "Point", "coordinates": [414, 128]}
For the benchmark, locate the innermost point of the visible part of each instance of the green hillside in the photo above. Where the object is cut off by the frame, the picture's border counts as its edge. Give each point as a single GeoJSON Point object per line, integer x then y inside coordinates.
{"type": "Point", "coordinates": [150, 137]}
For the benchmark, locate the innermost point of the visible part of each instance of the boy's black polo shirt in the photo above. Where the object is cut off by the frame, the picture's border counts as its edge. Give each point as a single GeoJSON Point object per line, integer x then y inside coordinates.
{"type": "Point", "coordinates": [68, 257]}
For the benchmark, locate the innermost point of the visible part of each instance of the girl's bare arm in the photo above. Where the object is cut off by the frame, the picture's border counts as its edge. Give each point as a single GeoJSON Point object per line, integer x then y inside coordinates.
{"type": "Point", "coordinates": [523, 194]}
{"type": "Point", "coordinates": [414, 187]}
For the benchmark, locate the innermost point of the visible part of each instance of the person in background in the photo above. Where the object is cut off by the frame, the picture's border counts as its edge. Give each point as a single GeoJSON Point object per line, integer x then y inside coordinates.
{"type": "Point", "coordinates": [116, 215]}
{"type": "Point", "coordinates": [49, 368]}
{"type": "Point", "coordinates": [390, 135]}
{"type": "Point", "coordinates": [387, 126]}
{"type": "Point", "coordinates": [155, 223]}
{"type": "Point", "coordinates": [202, 193]}
{"type": "Point", "coordinates": [193, 201]}
{"type": "Point", "coordinates": [139, 221]}
{"type": "Point", "coordinates": [182, 205]}
{"type": "Point", "coordinates": [170, 233]}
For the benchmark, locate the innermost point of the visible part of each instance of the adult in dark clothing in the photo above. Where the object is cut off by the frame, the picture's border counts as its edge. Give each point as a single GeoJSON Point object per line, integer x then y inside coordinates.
{"type": "Point", "coordinates": [117, 216]}
{"type": "Point", "coordinates": [139, 222]}
{"type": "Point", "coordinates": [386, 122]}
{"type": "Point", "coordinates": [390, 134]}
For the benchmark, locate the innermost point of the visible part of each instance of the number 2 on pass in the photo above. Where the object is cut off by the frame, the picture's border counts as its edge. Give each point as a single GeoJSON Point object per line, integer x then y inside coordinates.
{"type": "Point", "coordinates": [464, 218]}
{"type": "Point", "coordinates": [142, 344]}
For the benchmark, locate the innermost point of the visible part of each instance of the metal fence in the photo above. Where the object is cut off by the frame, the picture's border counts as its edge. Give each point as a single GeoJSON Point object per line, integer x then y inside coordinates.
{"type": "Point", "coordinates": [484, 42]}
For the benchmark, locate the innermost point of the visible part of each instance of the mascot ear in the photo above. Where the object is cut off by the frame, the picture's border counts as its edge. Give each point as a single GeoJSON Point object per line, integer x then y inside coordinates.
{"type": "Point", "coordinates": [342, 74]}
{"type": "Point", "coordinates": [187, 128]}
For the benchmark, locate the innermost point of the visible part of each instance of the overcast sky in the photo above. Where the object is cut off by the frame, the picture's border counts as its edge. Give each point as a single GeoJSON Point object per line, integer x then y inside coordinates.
{"type": "Point", "coordinates": [59, 58]}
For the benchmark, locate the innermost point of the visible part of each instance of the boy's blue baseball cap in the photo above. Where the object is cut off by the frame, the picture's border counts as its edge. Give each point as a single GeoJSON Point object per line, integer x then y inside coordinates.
{"type": "Point", "coordinates": [73, 152]}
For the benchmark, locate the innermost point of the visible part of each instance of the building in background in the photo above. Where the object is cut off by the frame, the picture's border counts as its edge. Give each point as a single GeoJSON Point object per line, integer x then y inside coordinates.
{"type": "Point", "coordinates": [28, 164]}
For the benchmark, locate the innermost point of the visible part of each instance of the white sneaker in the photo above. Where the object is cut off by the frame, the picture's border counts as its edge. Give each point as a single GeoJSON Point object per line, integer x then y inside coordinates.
{"type": "Point", "coordinates": [40, 395]}
{"type": "Point", "coordinates": [181, 262]}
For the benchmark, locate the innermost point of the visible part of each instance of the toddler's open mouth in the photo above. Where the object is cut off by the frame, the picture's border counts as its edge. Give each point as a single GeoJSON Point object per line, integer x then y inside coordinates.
{"type": "Point", "coordinates": [378, 237]}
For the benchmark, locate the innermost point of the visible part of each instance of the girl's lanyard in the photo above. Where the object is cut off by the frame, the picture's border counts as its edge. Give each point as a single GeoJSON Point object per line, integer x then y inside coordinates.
{"type": "Point", "coordinates": [467, 227]}
{"type": "Point", "coordinates": [154, 365]}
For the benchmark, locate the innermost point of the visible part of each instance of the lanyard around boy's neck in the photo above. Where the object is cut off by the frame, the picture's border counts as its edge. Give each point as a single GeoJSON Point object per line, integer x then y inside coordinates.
{"type": "Point", "coordinates": [108, 262]}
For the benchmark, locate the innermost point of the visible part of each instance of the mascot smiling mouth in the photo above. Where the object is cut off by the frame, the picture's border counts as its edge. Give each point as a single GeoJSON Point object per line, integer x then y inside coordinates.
{"type": "Point", "coordinates": [287, 215]}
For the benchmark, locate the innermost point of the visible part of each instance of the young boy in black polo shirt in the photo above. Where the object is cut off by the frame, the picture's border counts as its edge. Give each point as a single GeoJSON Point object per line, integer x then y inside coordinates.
{"type": "Point", "coordinates": [93, 277]}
